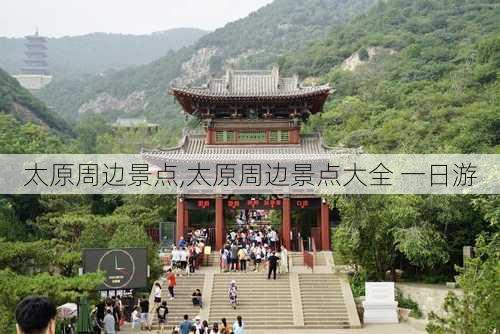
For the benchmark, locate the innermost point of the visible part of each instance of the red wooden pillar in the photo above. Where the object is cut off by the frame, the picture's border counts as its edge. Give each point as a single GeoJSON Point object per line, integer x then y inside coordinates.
{"type": "Point", "coordinates": [219, 222]}
{"type": "Point", "coordinates": [287, 222]}
{"type": "Point", "coordinates": [180, 219]}
{"type": "Point", "coordinates": [325, 226]}
{"type": "Point", "coordinates": [186, 219]}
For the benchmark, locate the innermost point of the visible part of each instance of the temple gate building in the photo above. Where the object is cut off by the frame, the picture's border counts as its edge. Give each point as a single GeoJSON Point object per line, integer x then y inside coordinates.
{"type": "Point", "coordinates": [253, 113]}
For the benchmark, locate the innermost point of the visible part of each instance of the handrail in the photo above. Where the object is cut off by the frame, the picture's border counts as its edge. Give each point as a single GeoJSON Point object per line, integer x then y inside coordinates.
{"type": "Point", "coordinates": [152, 305]}
{"type": "Point", "coordinates": [308, 257]}
{"type": "Point", "coordinates": [314, 254]}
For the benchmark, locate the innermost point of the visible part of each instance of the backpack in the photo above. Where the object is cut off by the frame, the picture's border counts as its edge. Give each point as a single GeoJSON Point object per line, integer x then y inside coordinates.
{"type": "Point", "coordinates": [162, 312]}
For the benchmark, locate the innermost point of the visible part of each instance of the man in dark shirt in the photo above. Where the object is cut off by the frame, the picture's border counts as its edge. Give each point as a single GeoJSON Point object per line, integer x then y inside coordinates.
{"type": "Point", "coordinates": [144, 305]}
{"type": "Point", "coordinates": [273, 264]}
{"type": "Point", "coordinates": [234, 256]}
{"type": "Point", "coordinates": [162, 312]}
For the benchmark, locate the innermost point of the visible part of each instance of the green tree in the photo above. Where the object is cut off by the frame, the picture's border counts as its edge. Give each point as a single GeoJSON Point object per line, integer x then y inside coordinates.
{"type": "Point", "coordinates": [477, 310]}
{"type": "Point", "coordinates": [14, 287]}
{"type": "Point", "coordinates": [68, 263]}
{"type": "Point", "coordinates": [134, 235]}
{"type": "Point", "coordinates": [376, 230]}
{"type": "Point", "coordinates": [363, 54]}
{"type": "Point", "coordinates": [89, 127]}
{"type": "Point", "coordinates": [99, 231]}
{"type": "Point", "coordinates": [10, 228]}
{"type": "Point", "coordinates": [27, 257]}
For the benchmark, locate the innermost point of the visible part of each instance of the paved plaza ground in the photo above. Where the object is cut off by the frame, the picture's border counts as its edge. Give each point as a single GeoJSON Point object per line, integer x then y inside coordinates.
{"type": "Point", "coordinates": [368, 329]}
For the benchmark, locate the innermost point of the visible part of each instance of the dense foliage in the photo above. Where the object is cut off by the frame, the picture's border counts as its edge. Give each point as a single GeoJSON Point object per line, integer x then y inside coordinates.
{"type": "Point", "coordinates": [477, 310]}
{"type": "Point", "coordinates": [19, 137]}
{"type": "Point", "coordinates": [18, 101]}
{"type": "Point", "coordinates": [420, 234]}
{"type": "Point", "coordinates": [431, 85]}
{"type": "Point", "coordinates": [426, 82]}
{"type": "Point", "coordinates": [283, 26]}
{"type": "Point", "coordinates": [73, 56]}
{"type": "Point", "coordinates": [41, 252]}
{"type": "Point", "coordinates": [260, 38]}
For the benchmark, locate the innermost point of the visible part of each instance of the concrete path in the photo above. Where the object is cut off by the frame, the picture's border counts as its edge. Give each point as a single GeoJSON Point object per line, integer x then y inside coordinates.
{"type": "Point", "coordinates": [368, 329]}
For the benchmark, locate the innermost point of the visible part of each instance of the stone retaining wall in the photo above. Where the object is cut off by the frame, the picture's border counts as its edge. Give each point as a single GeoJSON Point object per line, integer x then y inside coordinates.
{"type": "Point", "coordinates": [429, 297]}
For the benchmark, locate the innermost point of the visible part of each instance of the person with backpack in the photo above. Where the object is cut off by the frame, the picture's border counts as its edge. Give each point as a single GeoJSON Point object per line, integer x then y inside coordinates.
{"type": "Point", "coordinates": [162, 312]}
{"type": "Point", "coordinates": [233, 294]}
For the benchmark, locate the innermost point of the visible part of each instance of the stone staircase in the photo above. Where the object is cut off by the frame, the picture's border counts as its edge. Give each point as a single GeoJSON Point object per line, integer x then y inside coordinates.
{"type": "Point", "coordinates": [323, 303]}
{"type": "Point", "coordinates": [297, 259]}
{"type": "Point", "coordinates": [212, 260]}
{"type": "Point", "coordinates": [262, 303]}
{"type": "Point", "coordinates": [298, 300]}
{"type": "Point", "coordinates": [182, 303]}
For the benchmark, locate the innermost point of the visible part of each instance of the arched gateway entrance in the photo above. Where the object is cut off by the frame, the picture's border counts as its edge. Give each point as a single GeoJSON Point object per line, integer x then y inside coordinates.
{"type": "Point", "coordinates": [294, 228]}
{"type": "Point", "coordinates": [253, 115]}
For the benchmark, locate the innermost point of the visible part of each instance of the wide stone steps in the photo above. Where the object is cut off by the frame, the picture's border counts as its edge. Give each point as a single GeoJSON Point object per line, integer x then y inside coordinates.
{"type": "Point", "coordinates": [182, 303]}
{"type": "Point", "coordinates": [262, 303]}
{"type": "Point", "coordinates": [323, 302]}
{"type": "Point", "coordinates": [298, 259]}
{"type": "Point", "coordinates": [212, 260]}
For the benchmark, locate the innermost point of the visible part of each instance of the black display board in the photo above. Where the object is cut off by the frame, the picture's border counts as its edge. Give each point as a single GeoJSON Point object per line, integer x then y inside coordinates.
{"type": "Point", "coordinates": [125, 268]}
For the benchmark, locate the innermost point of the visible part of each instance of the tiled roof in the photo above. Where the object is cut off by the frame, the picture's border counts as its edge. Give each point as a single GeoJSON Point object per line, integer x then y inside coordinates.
{"type": "Point", "coordinates": [193, 147]}
{"type": "Point", "coordinates": [209, 93]}
{"type": "Point", "coordinates": [255, 83]}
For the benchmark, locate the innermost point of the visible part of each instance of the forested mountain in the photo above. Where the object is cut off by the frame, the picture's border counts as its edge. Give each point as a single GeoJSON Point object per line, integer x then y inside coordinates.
{"type": "Point", "coordinates": [73, 56]}
{"type": "Point", "coordinates": [255, 41]}
{"type": "Point", "coordinates": [21, 105]}
{"type": "Point", "coordinates": [411, 76]}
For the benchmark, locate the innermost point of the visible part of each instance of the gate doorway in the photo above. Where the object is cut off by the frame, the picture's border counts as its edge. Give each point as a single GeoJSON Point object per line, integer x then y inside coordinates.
{"type": "Point", "coordinates": [201, 216]}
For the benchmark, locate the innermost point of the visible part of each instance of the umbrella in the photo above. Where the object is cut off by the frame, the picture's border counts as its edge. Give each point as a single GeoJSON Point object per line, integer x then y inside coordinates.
{"type": "Point", "coordinates": [83, 324]}
{"type": "Point", "coordinates": [67, 311]}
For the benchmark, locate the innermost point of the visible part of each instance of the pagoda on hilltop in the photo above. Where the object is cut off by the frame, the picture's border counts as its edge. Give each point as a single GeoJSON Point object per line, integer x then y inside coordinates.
{"type": "Point", "coordinates": [252, 113]}
{"type": "Point", "coordinates": [34, 73]}
{"type": "Point", "coordinates": [35, 61]}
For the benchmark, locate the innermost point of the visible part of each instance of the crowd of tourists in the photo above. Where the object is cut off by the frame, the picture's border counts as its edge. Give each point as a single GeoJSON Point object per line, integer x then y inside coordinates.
{"type": "Point", "coordinates": [109, 315]}
{"type": "Point", "coordinates": [140, 316]}
{"type": "Point", "coordinates": [251, 249]}
{"type": "Point", "coordinates": [187, 255]}
{"type": "Point", "coordinates": [200, 326]}
{"type": "Point", "coordinates": [38, 315]}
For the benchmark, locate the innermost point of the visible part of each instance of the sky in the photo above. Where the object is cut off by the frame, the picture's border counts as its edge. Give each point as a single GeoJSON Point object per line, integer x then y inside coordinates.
{"type": "Point", "coordinates": [56, 18]}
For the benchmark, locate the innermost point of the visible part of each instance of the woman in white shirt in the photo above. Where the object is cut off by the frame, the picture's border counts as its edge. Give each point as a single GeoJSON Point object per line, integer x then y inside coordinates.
{"type": "Point", "coordinates": [176, 258]}
{"type": "Point", "coordinates": [157, 293]}
{"type": "Point", "coordinates": [258, 258]}
{"type": "Point", "coordinates": [183, 258]}
{"type": "Point", "coordinates": [136, 319]}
